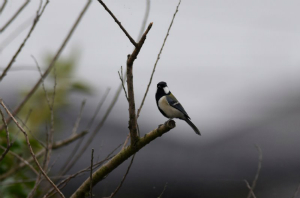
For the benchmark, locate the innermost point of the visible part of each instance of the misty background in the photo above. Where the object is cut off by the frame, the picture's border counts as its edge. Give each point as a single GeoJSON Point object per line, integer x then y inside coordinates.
{"type": "Point", "coordinates": [233, 65]}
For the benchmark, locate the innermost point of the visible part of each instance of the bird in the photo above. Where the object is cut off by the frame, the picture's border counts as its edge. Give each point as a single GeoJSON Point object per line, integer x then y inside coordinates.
{"type": "Point", "coordinates": [170, 107]}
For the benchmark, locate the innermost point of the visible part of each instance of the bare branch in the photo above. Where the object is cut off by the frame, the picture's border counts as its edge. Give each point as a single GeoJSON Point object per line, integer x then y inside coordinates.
{"type": "Point", "coordinates": [123, 155]}
{"type": "Point", "coordinates": [126, 141]}
{"type": "Point", "coordinates": [98, 109]}
{"type": "Point", "coordinates": [63, 183]}
{"type": "Point", "coordinates": [8, 144]}
{"type": "Point", "coordinates": [69, 164]}
{"type": "Point", "coordinates": [39, 177]}
{"type": "Point", "coordinates": [30, 148]}
{"type": "Point", "coordinates": [51, 65]}
{"type": "Point", "coordinates": [158, 57]}
{"type": "Point", "coordinates": [257, 172]}
{"type": "Point", "coordinates": [55, 145]}
{"type": "Point", "coordinates": [145, 19]}
{"type": "Point", "coordinates": [119, 23]}
{"type": "Point", "coordinates": [250, 189]}
{"type": "Point", "coordinates": [43, 84]}
{"type": "Point", "coordinates": [296, 192]}
{"type": "Point", "coordinates": [14, 16]}
{"type": "Point", "coordinates": [91, 174]}
{"type": "Point", "coordinates": [3, 6]}
{"type": "Point", "coordinates": [124, 177]}
{"type": "Point", "coordinates": [132, 115]}
{"type": "Point", "coordinates": [22, 159]}
{"type": "Point", "coordinates": [74, 131]}
{"type": "Point", "coordinates": [165, 187]}
{"type": "Point", "coordinates": [21, 165]}
{"type": "Point", "coordinates": [36, 19]}
{"type": "Point", "coordinates": [14, 34]}
{"type": "Point", "coordinates": [122, 81]}
{"type": "Point", "coordinates": [71, 139]}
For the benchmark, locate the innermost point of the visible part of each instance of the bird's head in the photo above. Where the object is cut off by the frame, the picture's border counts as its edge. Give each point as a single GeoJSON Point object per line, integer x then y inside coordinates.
{"type": "Point", "coordinates": [163, 86]}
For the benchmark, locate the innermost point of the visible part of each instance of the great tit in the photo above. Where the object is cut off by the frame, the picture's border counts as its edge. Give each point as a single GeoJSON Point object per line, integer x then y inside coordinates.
{"type": "Point", "coordinates": [169, 106]}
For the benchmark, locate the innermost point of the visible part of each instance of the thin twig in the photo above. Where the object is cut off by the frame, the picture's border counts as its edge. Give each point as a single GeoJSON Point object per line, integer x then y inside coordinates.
{"type": "Point", "coordinates": [3, 6]}
{"type": "Point", "coordinates": [22, 159]}
{"type": "Point", "coordinates": [122, 81]}
{"type": "Point", "coordinates": [97, 129]}
{"type": "Point", "coordinates": [145, 19]}
{"type": "Point", "coordinates": [45, 164]}
{"type": "Point", "coordinates": [69, 162]}
{"type": "Point", "coordinates": [30, 148]}
{"type": "Point", "coordinates": [250, 189]}
{"type": "Point", "coordinates": [260, 157]}
{"type": "Point", "coordinates": [63, 183]}
{"type": "Point", "coordinates": [14, 16]}
{"type": "Point", "coordinates": [296, 192]}
{"type": "Point", "coordinates": [36, 19]}
{"type": "Point", "coordinates": [14, 34]}
{"type": "Point", "coordinates": [126, 141]}
{"type": "Point", "coordinates": [8, 144]}
{"type": "Point", "coordinates": [158, 57]}
{"type": "Point", "coordinates": [43, 84]}
{"type": "Point", "coordinates": [51, 65]}
{"type": "Point", "coordinates": [165, 187]}
{"type": "Point", "coordinates": [119, 23]}
{"type": "Point", "coordinates": [98, 109]}
{"type": "Point", "coordinates": [55, 145]}
{"type": "Point", "coordinates": [49, 133]}
{"type": "Point", "coordinates": [28, 180]}
{"type": "Point", "coordinates": [124, 177]}
{"type": "Point", "coordinates": [30, 132]}
{"type": "Point", "coordinates": [71, 139]}
{"type": "Point", "coordinates": [91, 173]}
{"type": "Point", "coordinates": [76, 125]}
{"type": "Point", "coordinates": [21, 165]}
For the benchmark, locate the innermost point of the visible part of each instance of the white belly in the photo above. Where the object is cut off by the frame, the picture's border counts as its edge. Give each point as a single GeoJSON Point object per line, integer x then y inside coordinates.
{"type": "Point", "coordinates": [170, 111]}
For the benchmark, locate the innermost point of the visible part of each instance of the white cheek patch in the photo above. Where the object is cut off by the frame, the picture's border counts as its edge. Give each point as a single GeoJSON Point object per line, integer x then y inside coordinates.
{"type": "Point", "coordinates": [166, 89]}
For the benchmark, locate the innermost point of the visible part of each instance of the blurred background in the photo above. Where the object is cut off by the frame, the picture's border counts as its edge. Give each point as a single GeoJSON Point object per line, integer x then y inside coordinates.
{"type": "Point", "coordinates": [233, 65]}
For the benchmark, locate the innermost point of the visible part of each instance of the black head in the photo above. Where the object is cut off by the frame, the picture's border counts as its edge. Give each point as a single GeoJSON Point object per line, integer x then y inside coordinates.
{"type": "Point", "coordinates": [162, 89]}
{"type": "Point", "coordinates": [161, 84]}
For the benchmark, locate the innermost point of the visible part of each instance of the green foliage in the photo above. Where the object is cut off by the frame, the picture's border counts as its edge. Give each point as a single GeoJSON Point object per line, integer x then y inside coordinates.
{"type": "Point", "coordinates": [60, 83]}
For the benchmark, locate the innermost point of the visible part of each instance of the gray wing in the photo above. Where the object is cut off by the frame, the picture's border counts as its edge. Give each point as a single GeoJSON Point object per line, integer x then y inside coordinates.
{"type": "Point", "coordinates": [175, 103]}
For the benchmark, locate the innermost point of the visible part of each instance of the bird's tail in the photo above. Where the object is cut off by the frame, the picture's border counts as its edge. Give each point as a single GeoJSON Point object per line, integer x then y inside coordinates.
{"type": "Point", "coordinates": [193, 126]}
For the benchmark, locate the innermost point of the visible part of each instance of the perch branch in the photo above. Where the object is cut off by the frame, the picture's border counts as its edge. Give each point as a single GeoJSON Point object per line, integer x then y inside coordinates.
{"type": "Point", "coordinates": [123, 155]}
